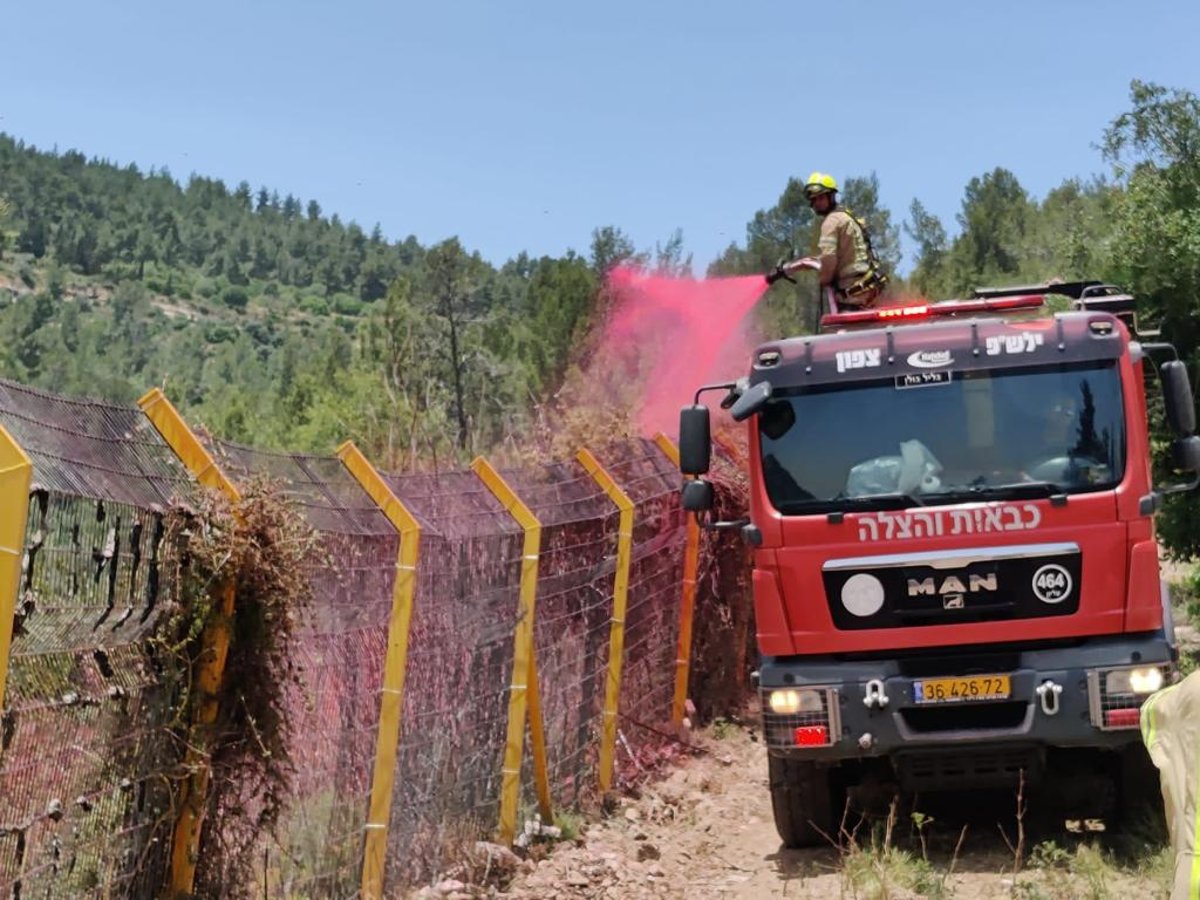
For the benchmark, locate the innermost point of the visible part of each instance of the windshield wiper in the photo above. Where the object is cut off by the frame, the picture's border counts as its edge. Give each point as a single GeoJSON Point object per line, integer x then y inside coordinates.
{"type": "Point", "coordinates": [842, 503]}
{"type": "Point", "coordinates": [1016, 490]}
{"type": "Point", "coordinates": [893, 500]}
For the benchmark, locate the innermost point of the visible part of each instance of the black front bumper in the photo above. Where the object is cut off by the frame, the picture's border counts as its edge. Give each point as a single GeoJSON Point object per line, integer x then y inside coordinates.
{"type": "Point", "coordinates": [869, 709]}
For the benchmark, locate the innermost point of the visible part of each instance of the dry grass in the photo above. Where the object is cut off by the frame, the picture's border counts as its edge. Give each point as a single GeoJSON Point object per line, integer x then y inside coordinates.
{"type": "Point", "coordinates": [879, 869]}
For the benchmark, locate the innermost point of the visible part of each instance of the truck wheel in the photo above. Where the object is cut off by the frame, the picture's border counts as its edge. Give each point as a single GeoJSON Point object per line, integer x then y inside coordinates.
{"type": "Point", "coordinates": [803, 799]}
{"type": "Point", "coordinates": [1140, 805]}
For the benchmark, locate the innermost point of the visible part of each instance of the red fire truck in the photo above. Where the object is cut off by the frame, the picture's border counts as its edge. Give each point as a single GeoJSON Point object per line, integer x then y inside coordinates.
{"type": "Point", "coordinates": [956, 580]}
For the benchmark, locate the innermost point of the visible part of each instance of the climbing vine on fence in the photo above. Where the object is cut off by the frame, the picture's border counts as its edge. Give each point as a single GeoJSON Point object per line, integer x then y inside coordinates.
{"type": "Point", "coordinates": [264, 547]}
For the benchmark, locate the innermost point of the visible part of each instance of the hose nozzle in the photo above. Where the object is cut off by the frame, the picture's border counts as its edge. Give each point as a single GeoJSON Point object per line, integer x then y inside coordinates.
{"type": "Point", "coordinates": [777, 273]}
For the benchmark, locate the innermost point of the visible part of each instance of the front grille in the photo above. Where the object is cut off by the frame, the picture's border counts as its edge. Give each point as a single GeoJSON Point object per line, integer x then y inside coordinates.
{"type": "Point", "coordinates": [780, 730]}
{"type": "Point", "coordinates": [921, 589]}
{"type": "Point", "coordinates": [966, 716]}
{"type": "Point", "coordinates": [967, 768]}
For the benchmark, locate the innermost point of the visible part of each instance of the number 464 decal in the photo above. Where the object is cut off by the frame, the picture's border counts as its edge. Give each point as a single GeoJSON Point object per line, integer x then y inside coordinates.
{"type": "Point", "coordinates": [1052, 583]}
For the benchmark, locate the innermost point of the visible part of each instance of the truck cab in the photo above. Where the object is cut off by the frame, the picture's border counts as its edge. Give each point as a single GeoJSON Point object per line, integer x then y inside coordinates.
{"type": "Point", "coordinates": [955, 577]}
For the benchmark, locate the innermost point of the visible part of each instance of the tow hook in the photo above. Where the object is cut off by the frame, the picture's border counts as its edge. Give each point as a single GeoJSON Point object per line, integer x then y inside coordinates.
{"type": "Point", "coordinates": [875, 694]}
{"type": "Point", "coordinates": [1048, 692]}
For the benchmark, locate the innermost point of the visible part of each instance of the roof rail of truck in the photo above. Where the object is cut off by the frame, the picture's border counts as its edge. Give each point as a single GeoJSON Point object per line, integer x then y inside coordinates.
{"type": "Point", "coordinates": [1076, 290]}
{"type": "Point", "coordinates": [896, 315]}
{"type": "Point", "coordinates": [1090, 295]}
{"type": "Point", "coordinates": [1096, 296]}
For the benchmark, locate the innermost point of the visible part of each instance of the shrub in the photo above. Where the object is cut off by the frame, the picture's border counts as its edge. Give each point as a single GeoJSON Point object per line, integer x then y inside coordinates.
{"type": "Point", "coordinates": [236, 298]}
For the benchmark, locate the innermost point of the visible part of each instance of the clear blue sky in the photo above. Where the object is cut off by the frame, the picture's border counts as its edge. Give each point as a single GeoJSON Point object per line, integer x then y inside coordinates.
{"type": "Point", "coordinates": [524, 125]}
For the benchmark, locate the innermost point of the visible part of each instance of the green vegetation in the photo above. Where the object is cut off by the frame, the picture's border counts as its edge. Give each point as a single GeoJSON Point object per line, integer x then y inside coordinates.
{"type": "Point", "coordinates": [570, 823]}
{"type": "Point", "coordinates": [876, 872]}
{"type": "Point", "coordinates": [889, 864]}
{"type": "Point", "coordinates": [1087, 870]}
{"type": "Point", "coordinates": [270, 322]}
{"type": "Point", "coordinates": [879, 869]}
{"type": "Point", "coordinates": [723, 729]}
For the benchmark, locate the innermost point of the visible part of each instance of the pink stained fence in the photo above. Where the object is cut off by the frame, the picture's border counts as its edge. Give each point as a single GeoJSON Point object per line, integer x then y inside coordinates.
{"type": "Point", "coordinates": [93, 738]}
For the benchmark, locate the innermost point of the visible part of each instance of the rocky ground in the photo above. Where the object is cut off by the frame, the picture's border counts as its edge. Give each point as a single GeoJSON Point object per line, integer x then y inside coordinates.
{"type": "Point", "coordinates": [705, 830]}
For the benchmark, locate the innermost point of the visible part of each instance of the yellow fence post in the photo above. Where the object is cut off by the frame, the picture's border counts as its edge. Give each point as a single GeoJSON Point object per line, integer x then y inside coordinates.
{"type": "Point", "coordinates": [523, 699]}
{"type": "Point", "coordinates": [214, 648]}
{"type": "Point", "coordinates": [16, 472]}
{"type": "Point", "coordinates": [616, 635]}
{"type": "Point", "coordinates": [687, 606]}
{"type": "Point", "coordinates": [391, 703]}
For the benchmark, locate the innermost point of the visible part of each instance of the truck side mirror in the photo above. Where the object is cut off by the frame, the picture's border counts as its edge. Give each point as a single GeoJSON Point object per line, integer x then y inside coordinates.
{"type": "Point", "coordinates": [752, 400]}
{"type": "Point", "coordinates": [1177, 398]}
{"type": "Point", "coordinates": [695, 442]}
{"type": "Point", "coordinates": [697, 495]}
{"type": "Point", "coordinates": [1185, 454]}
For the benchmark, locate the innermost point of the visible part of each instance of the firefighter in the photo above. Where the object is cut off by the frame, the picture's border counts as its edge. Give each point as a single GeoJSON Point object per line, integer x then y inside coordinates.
{"type": "Point", "coordinates": [846, 266]}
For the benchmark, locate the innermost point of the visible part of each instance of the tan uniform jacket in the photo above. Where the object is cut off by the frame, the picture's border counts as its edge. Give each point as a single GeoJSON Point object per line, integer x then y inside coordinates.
{"type": "Point", "coordinates": [1171, 732]}
{"type": "Point", "coordinates": [843, 250]}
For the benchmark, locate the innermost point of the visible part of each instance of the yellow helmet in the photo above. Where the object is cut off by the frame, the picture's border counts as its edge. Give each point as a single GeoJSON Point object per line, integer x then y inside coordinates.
{"type": "Point", "coordinates": [819, 183]}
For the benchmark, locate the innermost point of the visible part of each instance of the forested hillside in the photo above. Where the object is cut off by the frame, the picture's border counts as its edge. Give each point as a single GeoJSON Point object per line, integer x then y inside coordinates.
{"type": "Point", "coordinates": [268, 320]}
{"type": "Point", "coordinates": [271, 322]}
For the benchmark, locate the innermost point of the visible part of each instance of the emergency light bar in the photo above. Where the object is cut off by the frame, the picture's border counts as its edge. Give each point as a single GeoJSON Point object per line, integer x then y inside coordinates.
{"type": "Point", "coordinates": [890, 314]}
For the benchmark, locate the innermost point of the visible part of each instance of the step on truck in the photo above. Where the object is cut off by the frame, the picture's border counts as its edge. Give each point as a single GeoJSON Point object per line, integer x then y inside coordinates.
{"type": "Point", "coordinates": [955, 574]}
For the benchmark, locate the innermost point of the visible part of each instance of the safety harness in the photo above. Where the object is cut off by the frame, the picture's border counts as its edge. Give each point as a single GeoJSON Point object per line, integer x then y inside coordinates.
{"type": "Point", "coordinates": [871, 282]}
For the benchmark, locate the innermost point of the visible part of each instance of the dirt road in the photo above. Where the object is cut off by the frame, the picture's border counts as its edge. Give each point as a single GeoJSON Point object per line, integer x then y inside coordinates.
{"type": "Point", "coordinates": [706, 831]}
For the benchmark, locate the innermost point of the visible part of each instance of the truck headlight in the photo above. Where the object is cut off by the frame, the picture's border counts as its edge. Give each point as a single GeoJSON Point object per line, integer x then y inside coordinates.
{"type": "Point", "coordinates": [790, 701]}
{"type": "Point", "coordinates": [1133, 681]}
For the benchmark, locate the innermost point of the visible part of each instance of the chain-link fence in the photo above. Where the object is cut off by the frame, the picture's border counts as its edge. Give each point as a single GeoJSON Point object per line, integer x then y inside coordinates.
{"type": "Point", "coordinates": [459, 671]}
{"type": "Point", "coordinates": [339, 651]}
{"type": "Point", "coordinates": [89, 743]}
{"type": "Point", "coordinates": [652, 618]}
{"type": "Point", "coordinates": [93, 737]}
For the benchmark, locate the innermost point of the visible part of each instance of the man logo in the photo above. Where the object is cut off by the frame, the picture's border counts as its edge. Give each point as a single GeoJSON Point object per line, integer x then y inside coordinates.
{"type": "Point", "coordinates": [952, 589]}
{"type": "Point", "coordinates": [930, 359]}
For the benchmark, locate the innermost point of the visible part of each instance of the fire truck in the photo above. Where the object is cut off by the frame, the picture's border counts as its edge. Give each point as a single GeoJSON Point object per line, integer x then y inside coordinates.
{"type": "Point", "coordinates": [955, 574]}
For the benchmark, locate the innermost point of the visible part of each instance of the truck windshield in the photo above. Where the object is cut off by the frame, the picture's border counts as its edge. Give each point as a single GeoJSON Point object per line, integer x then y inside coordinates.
{"type": "Point", "coordinates": [948, 437]}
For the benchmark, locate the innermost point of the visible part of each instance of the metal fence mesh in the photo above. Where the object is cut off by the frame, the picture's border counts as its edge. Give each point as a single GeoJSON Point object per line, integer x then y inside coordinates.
{"type": "Point", "coordinates": [652, 617]}
{"type": "Point", "coordinates": [340, 650]}
{"type": "Point", "coordinates": [91, 744]}
{"type": "Point", "coordinates": [88, 743]}
{"type": "Point", "coordinates": [574, 613]}
{"type": "Point", "coordinates": [459, 669]}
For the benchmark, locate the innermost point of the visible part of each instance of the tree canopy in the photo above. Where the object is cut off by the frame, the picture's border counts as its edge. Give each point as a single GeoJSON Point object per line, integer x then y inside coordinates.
{"type": "Point", "coordinates": [271, 322]}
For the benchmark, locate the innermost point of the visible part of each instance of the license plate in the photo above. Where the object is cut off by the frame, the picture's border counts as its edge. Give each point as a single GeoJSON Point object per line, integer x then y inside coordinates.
{"type": "Point", "coordinates": [957, 690]}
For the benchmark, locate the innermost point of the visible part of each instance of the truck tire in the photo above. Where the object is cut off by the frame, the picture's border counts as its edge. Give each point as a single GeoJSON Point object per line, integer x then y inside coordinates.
{"type": "Point", "coordinates": [1140, 809]}
{"type": "Point", "coordinates": [803, 799]}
